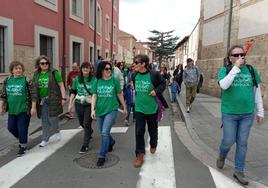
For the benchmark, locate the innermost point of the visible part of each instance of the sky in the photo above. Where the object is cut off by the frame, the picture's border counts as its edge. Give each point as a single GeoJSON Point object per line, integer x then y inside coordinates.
{"type": "Point", "coordinates": [137, 17]}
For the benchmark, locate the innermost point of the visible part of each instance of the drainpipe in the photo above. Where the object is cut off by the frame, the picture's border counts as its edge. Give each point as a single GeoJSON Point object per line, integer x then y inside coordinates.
{"type": "Point", "coordinates": [95, 31]}
{"type": "Point", "coordinates": [112, 31]}
{"type": "Point", "coordinates": [230, 24]}
{"type": "Point", "coordinates": [63, 68]}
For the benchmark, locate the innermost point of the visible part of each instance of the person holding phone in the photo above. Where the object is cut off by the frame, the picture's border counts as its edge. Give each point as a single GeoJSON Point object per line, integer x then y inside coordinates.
{"type": "Point", "coordinates": [239, 97]}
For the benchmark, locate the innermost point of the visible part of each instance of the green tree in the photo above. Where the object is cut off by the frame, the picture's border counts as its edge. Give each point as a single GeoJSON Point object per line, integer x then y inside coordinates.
{"type": "Point", "coordinates": [163, 43]}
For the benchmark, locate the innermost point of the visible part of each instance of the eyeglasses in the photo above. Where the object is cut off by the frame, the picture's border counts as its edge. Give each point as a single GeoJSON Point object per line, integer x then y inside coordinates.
{"type": "Point", "coordinates": [240, 54]}
{"type": "Point", "coordinates": [108, 69]}
{"type": "Point", "coordinates": [44, 63]}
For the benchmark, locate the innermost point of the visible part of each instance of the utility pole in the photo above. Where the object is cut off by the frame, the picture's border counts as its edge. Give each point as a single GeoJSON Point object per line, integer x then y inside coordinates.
{"type": "Point", "coordinates": [95, 31]}
{"type": "Point", "coordinates": [230, 25]}
{"type": "Point", "coordinates": [112, 31]}
{"type": "Point", "coordinates": [63, 65]}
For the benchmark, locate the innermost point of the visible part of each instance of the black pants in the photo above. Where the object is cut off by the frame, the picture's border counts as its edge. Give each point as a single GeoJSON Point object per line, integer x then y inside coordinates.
{"type": "Point", "coordinates": [85, 120]}
{"type": "Point", "coordinates": [141, 120]}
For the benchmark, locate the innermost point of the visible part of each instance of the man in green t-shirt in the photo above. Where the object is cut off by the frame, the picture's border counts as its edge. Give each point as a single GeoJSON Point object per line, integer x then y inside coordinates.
{"type": "Point", "coordinates": [147, 87]}
{"type": "Point", "coordinates": [239, 97]}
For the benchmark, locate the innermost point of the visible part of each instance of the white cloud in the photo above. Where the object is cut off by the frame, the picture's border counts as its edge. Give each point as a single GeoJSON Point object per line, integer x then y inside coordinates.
{"type": "Point", "coordinates": [137, 17]}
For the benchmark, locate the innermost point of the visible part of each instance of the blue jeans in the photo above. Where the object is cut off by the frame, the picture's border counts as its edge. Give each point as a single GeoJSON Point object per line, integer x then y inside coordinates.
{"type": "Point", "coordinates": [105, 123]}
{"type": "Point", "coordinates": [236, 129]}
{"type": "Point", "coordinates": [18, 126]}
{"type": "Point", "coordinates": [173, 95]}
{"type": "Point", "coordinates": [48, 121]}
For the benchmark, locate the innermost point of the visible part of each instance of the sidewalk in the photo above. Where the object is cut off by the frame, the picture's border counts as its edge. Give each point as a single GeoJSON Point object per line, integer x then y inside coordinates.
{"type": "Point", "coordinates": [203, 123]}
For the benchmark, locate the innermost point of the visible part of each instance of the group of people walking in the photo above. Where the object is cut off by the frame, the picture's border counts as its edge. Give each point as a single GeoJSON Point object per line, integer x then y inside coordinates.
{"type": "Point", "coordinates": [99, 94]}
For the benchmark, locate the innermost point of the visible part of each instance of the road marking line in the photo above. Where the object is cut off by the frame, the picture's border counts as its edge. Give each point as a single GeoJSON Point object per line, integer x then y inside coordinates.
{"type": "Point", "coordinates": [119, 129]}
{"type": "Point", "coordinates": [15, 170]}
{"type": "Point", "coordinates": [221, 181]}
{"type": "Point", "coordinates": [158, 169]}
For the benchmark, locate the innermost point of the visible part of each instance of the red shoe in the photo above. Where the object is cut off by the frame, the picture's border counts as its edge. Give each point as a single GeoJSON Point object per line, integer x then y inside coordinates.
{"type": "Point", "coordinates": [138, 160]}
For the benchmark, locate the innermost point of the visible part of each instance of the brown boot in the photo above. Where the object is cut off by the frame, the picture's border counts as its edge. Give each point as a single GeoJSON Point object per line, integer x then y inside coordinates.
{"type": "Point", "coordinates": [139, 160]}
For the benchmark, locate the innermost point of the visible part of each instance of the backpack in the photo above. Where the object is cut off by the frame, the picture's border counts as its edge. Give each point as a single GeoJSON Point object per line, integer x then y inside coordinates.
{"type": "Point", "coordinates": [251, 70]}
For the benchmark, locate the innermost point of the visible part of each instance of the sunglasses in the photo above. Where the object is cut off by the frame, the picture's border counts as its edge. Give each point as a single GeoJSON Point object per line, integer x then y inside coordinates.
{"type": "Point", "coordinates": [136, 62]}
{"type": "Point", "coordinates": [108, 69]}
{"type": "Point", "coordinates": [240, 54]}
{"type": "Point", "coordinates": [44, 63]}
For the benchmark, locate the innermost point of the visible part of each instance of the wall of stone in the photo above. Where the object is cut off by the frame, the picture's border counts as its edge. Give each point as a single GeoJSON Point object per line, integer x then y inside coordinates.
{"type": "Point", "coordinates": [211, 52]}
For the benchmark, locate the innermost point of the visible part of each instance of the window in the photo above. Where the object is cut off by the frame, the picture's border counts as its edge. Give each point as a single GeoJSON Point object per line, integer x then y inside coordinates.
{"type": "Point", "coordinates": [47, 43]}
{"type": "Point", "coordinates": [2, 50]}
{"type": "Point", "coordinates": [46, 46]}
{"type": "Point", "coordinates": [106, 54]}
{"type": "Point", "coordinates": [91, 54]}
{"type": "Point", "coordinates": [50, 4]}
{"type": "Point", "coordinates": [99, 18]}
{"type": "Point", "coordinates": [107, 27]}
{"type": "Point", "coordinates": [115, 4]}
{"type": "Point", "coordinates": [91, 13]}
{"type": "Point", "coordinates": [114, 34]}
{"type": "Point", "coordinates": [76, 10]}
{"type": "Point", "coordinates": [6, 43]}
{"type": "Point", "coordinates": [76, 52]}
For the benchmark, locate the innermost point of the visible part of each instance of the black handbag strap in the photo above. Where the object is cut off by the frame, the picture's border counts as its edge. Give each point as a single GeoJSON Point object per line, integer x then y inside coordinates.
{"type": "Point", "coordinates": [86, 88]}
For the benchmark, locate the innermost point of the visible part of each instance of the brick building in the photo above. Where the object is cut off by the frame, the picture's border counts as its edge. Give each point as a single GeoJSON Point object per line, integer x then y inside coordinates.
{"type": "Point", "coordinates": [64, 30]}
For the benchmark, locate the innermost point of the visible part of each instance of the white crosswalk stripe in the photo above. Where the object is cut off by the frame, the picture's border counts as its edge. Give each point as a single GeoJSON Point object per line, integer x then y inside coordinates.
{"type": "Point", "coordinates": [15, 170]}
{"type": "Point", "coordinates": [158, 169]}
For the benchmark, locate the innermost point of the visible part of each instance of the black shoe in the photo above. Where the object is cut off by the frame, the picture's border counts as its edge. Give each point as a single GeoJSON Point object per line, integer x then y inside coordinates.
{"type": "Point", "coordinates": [111, 147]}
{"type": "Point", "coordinates": [101, 162]}
{"type": "Point", "coordinates": [22, 151]}
{"type": "Point", "coordinates": [220, 162]}
{"type": "Point", "coordinates": [83, 149]}
{"type": "Point", "coordinates": [240, 177]}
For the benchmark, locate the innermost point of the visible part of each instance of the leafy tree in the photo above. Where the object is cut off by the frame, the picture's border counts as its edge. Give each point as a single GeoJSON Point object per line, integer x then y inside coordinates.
{"type": "Point", "coordinates": [163, 43]}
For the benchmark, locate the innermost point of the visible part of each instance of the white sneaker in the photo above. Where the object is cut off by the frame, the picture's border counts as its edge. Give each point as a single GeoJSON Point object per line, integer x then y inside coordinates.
{"type": "Point", "coordinates": [58, 137]}
{"type": "Point", "coordinates": [43, 144]}
{"type": "Point", "coordinates": [126, 122]}
{"type": "Point", "coordinates": [188, 109]}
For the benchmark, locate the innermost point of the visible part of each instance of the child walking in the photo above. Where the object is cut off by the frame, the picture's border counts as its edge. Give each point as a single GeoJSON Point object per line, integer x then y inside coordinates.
{"type": "Point", "coordinates": [175, 88]}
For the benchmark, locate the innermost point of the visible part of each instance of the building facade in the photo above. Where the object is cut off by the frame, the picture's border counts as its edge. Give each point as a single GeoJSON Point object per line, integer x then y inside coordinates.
{"type": "Point", "coordinates": [127, 43]}
{"type": "Point", "coordinates": [223, 25]}
{"type": "Point", "coordinates": [64, 30]}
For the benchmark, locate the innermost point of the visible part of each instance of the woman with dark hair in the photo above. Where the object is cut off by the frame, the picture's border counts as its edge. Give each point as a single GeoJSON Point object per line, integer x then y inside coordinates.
{"type": "Point", "coordinates": [177, 74]}
{"type": "Point", "coordinates": [240, 93]}
{"type": "Point", "coordinates": [81, 95]}
{"type": "Point", "coordinates": [51, 97]}
{"type": "Point", "coordinates": [20, 100]}
{"type": "Point", "coordinates": [106, 92]}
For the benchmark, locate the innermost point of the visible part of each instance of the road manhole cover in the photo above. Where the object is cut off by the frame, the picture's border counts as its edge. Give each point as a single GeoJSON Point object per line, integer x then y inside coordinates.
{"type": "Point", "coordinates": [90, 160]}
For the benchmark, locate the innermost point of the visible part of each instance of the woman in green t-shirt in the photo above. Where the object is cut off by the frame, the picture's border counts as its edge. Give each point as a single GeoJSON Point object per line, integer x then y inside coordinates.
{"type": "Point", "coordinates": [106, 93]}
{"type": "Point", "coordinates": [20, 102]}
{"type": "Point", "coordinates": [51, 97]}
{"type": "Point", "coordinates": [239, 96]}
{"type": "Point", "coordinates": [81, 94]}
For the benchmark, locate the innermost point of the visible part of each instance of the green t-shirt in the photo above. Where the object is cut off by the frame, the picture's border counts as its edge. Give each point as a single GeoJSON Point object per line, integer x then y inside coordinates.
{"type": "Point", "coordinates": [43, 82]}
{"type": "Point", "coordinates": [239, 97]}
{"type": "Point", "coordinates": [16, 95]}
{"type": "Point", "coordinates": [106, 91]}
{"type": "Point", "coordinates": [144, 102]}
{"type": "Point", "coordinates": [80, 88]}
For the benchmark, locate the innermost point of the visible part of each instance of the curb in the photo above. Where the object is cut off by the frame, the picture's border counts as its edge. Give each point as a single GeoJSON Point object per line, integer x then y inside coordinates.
{"type": "Point", "coordinates": [195, 138]}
